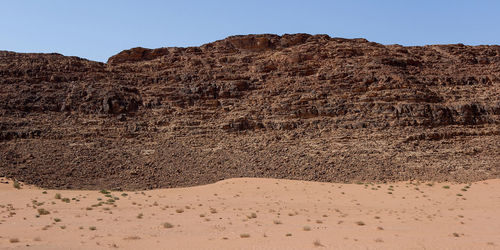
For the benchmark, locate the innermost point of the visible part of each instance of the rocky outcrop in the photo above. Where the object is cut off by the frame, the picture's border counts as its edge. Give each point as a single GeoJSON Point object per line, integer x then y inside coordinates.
{"type": "Point", "coordinates": [297, 106]}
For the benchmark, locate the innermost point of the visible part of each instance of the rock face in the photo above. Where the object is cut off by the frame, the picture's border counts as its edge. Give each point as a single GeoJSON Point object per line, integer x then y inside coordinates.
{"type": "Point", "coordinates": [293, 106]}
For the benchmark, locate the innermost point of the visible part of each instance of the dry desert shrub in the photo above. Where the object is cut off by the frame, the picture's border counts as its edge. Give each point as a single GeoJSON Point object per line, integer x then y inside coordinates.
{"type": "Point", "coordinates": [317, 243]}
{"type": "Point", "coordinates": [360, 223]}
{"type": "Point", "coordinates": [252, 216]}
{"type": "Point", "coordinates": [43, 211]}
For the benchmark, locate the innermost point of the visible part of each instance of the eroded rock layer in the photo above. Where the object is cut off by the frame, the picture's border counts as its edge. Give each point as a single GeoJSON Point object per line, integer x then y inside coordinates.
{"type": "Point", "coordinates": [293, 106]}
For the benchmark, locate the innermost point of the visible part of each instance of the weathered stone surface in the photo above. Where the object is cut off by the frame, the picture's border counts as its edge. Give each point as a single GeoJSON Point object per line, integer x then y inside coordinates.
{"type": "Point", "coordinates": [295, 106]}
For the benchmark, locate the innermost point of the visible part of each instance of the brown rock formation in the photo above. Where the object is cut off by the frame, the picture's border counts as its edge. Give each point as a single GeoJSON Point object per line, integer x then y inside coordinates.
{"type": "Point", "coordinates": [292, 106]}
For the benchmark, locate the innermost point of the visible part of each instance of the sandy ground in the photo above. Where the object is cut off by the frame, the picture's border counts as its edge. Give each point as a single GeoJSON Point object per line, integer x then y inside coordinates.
{"type": "Point", "coordinates": [256, 214]}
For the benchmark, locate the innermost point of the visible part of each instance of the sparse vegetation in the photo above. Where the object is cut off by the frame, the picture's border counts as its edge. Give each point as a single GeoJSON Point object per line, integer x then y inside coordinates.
{"type": "Point", "coordinates": [57, 196]}
{"type": "Point", "coordinates": [446, 187]}
{"type": "Point", "coordinates": [252, 216]}
{"type": "Point", "coordinates": [92, 228]}
{"type": "Point", "coordinates": [57, 219]}
{"type": "Point", "coordinates": [104, 191]}
{"type": "Point", "coordinates": [16, 185]}
{"type": "Point", "coordinates": [360, 223]}
{"type": "Point", "coordinates": [245, 235]}
{"type": "Point", "coordinates": [167, 225]}
{"type": "Point", "coordinates": [42, 211]}
{"type": "Point", "coordinates": [277, 222]}
{"type": "Point", "coordinates": [13, 240]}
{"type": "Point", "coordinates": [306, 228]}
{"type": "Point", "coordinates": [317, 243]}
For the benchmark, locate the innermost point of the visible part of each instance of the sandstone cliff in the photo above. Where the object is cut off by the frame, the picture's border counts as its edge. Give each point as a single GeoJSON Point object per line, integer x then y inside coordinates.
{"type": "Point", "coordinates": [293, 106]}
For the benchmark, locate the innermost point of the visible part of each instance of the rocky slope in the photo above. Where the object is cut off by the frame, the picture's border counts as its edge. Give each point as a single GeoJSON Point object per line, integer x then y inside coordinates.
{"type": "Point", "coordinates": [292, 106]}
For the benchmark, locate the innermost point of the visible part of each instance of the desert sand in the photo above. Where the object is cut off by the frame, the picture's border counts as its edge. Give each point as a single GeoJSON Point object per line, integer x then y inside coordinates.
{"type": "Point", "coordinates": [249, 213]}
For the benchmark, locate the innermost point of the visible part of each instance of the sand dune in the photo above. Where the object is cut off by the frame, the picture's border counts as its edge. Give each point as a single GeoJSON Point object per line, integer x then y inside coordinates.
{"type": "Point", "coordinates": [255, 214]}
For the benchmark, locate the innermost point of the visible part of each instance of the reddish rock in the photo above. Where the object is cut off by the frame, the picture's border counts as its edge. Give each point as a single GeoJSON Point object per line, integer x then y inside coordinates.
{"type": "Point", "coordinates": [295, 106]}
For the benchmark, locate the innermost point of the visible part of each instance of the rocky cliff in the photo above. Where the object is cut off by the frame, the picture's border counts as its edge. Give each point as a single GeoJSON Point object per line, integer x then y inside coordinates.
{"type": "Point", "coordinates": [293, 106]}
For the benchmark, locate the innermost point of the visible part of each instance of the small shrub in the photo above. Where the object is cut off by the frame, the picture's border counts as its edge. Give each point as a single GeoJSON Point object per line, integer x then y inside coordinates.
{"type": "Point", "coordinates": [245, 235]}
{"type": "Point", "coordinates": [360, 223]}
{"type": "Point", "coordinates": [13, 240]}
{"type": "Point", "coordinates": [446, 187]}
{"type": "Point", "coordinates": [167, 225]}
{"type": "Point", "coordinates": [306, 228]}
{"type": "Point", "coordinates": [317, 243]}
{"type": "Point", "coordinates": [57, 219]}
{"type": "Point", "coordinates": [43, 211]}
{"type": "Point", "coordinates": [16, 185]}
{"type": "Point", "coordinates": [92, 228]}
{"type": "Point", "coordinates": [57, 196]}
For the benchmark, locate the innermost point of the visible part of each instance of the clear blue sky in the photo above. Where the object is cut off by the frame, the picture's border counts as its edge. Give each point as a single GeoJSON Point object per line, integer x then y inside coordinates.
{"type": "Point", "coordinates": [97, 29]}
